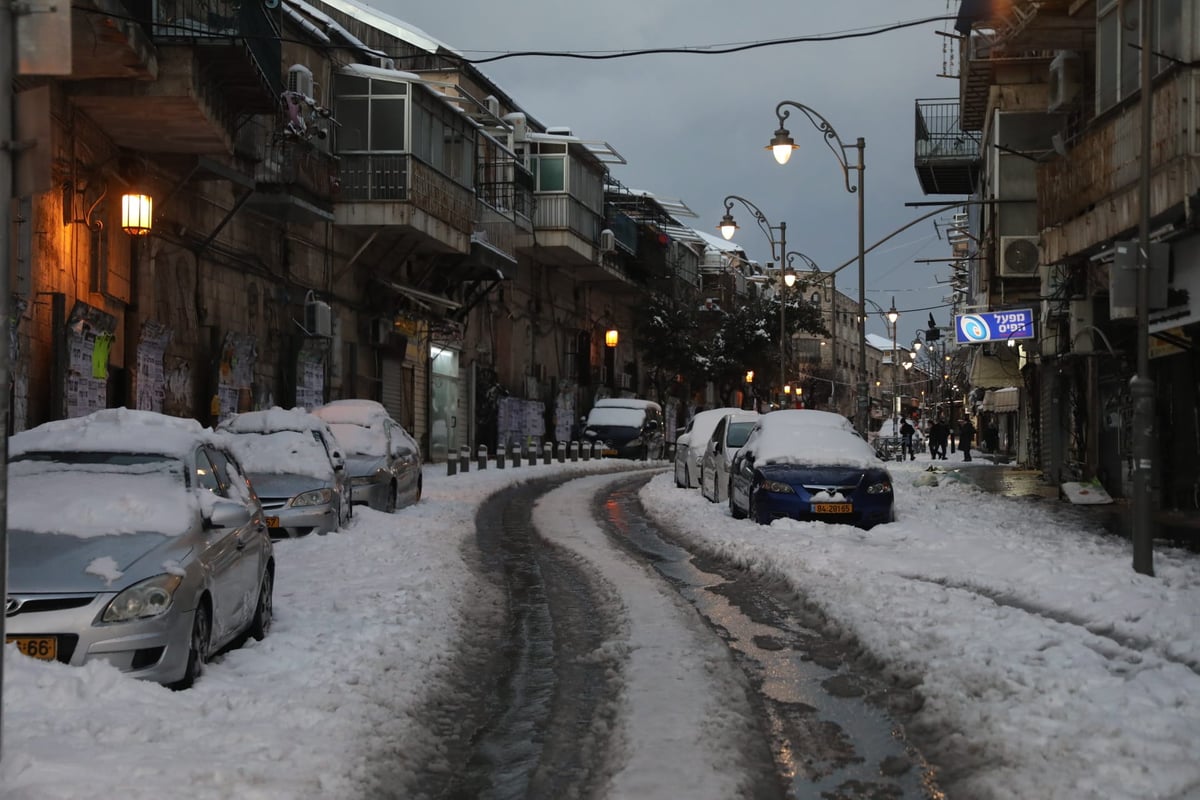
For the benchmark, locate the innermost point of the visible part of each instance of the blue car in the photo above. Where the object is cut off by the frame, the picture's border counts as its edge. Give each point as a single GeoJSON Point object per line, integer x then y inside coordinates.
{"type": "Point", "coordinates": [804, 467]}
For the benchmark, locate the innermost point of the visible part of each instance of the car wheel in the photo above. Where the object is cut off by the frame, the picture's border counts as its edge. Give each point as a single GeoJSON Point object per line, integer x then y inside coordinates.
{"type": "Point", "coordinates": [264, 611]}
{"type": "Point", "coordinates": [734, 511]}
{"type": "Point", "coordinates": [678, 483]}
{"type": "Point", "coordinates": [754, 513]}
{"type": "Point", "coordinates": [197, 647]}
{"type": "Point", "coordinates": [418, 495]}
{"type": "Point", "coordinates": [390, 506]}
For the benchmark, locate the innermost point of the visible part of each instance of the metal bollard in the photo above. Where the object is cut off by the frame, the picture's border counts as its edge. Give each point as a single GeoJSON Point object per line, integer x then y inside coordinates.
{"type": "Point", "coordinates": [562, 452]}
{"type": "Point", "coordinates": [516, 455]}
{"type": "Point", "coordinates": [574, 451]}
{"type": "Point", "coordinates": [451, 466]}
{"type": "Point", "coordinates": [598, 449]}
{"type": "Point", "coordinates": [586, 447]}
{"type": "Point", "coordinates": [481, 457]}
{"type": "Point", "coordinates": [464, 459]}
{"type": "Point", "coordinates": [547, 452]}
{"type": "Point", "coordinates": [531, 451]}
{"type": "Point", "coordinates": [500, 456]}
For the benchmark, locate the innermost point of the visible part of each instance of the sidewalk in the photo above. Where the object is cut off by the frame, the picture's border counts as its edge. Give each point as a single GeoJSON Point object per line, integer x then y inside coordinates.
{"type": "Point", "coordinates": [1115, 518]}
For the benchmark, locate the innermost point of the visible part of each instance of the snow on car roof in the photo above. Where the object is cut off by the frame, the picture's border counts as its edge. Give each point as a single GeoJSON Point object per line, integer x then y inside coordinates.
{"type": "Point", "coordinates": [272, 420]}
{"type": "Point", "coordinates": [705, 422]}
{"type": "Point", "coordinates": [352, 412]}
{"type": "Point", "coordinates": [795, 437]}
{"type": "Point", "coordinates": [283, 452]}
{"type": "Point", "coordinates": [113, 430]}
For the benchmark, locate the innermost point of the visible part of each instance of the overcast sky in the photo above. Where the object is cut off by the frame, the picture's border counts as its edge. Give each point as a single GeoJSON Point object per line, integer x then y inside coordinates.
{"type": "Point", "coordinates": [694, 127]}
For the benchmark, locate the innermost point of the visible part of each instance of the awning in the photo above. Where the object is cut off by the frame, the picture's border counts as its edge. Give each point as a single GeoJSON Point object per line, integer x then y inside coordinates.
{"type": "Point", "coordinates": [1002, 401]}
{"type": "Point", "coordinates": [995, 371]}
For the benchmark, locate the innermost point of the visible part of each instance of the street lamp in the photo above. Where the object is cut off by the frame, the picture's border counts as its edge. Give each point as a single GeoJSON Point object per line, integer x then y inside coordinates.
{"type": "Point", "coordinates": [728, 227]}
{"type": "Point", "coordinates": [893, 316]}
{"type": "Point", "coordinates": [781, 146]}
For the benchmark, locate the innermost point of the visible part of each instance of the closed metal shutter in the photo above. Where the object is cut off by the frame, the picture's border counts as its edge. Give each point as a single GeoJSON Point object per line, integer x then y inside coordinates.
{"type": "Point", "coordinates": [393, 397]}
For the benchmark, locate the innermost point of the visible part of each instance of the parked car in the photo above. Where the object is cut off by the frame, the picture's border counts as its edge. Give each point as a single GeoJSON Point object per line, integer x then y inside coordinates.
{"type": "Point", "coordinates": [727, 436]}
{"type": "Point", "coordinates": [134, 538]}
{"type": "Point", "coordinates": [627, 427]}
{"type": "Point", "coordinates": [807, 469]}
{"type": "Point", "coordinates": [296, 466]}
{"type": "Point", "coordinates": [690, 444]}
{"type": "Point", "coordinates": [382, 459]}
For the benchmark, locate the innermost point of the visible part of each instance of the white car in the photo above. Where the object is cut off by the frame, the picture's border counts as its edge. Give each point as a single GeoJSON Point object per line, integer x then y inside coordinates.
{"type": "Point", "coordinates": [727, 436]}
{"type": "Point", "coordinates": [689, 447]}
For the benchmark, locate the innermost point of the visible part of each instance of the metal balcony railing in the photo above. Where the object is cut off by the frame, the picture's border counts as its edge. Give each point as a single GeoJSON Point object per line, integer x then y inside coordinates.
{"type": "Point", "coordinates": [564, 212]}
{"type": "Point", "coordinates": [947, 158]}
{"type": "Point", "coordinates": [371, 176]}
{"type": "Point", "coordinates": [293, 163]}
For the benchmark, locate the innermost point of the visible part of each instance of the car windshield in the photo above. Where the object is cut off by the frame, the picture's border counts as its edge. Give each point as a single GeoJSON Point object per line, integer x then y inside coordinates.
{"type": "Point", "coordinates": [359, 440]}
{"type": "Point", "coordinates": [99, 494]}
{"type": "Point", "coordinates": [738, 432]}
{"type": "Point", "coordinates": [616, 417]}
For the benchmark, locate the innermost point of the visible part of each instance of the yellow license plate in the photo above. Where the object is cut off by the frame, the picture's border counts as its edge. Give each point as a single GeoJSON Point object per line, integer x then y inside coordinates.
{"type": "Point", "coordinates": [40, 647]}
{"type": "Point", "coordinates": [610, 452]}
{"type": "Point", "coordinates": [833, 508]}
{"type": "Point", "coordinates": [272, 522]}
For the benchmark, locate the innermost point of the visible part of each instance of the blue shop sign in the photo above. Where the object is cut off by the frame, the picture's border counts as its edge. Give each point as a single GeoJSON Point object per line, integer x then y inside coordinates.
{"type": "Point", "coordinates": [994, 326]}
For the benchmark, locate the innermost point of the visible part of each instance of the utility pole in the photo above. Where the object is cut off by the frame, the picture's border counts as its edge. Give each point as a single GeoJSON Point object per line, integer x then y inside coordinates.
{"type": "Point", "coordinates": [8, 47]}
{"type": "Point", "coordinates": [1141, 387]}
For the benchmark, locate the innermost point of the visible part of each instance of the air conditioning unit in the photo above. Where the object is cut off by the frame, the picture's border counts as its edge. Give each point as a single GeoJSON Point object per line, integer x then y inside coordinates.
{"type": "Point", "coordinates": [608, 241]}
{"type": "Point", "coordinates": [300, 80]}
{"type": "Point", "coordinates": [380, 331]}
{"type": "Point", "coordinates": [318, 319]}
{"type": "Point", "coordinates": [1018, 257]}
{"type": "Point", "coordinates": [1066, 80]}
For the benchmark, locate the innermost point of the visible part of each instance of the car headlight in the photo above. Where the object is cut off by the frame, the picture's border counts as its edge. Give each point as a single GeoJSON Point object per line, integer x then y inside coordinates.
{"type": "Point", "coordinates": [314, 498]}
{"type": "Point", "coordinates": [883, 487]}
{"type": "Point", "coordinates": [635, 442]}
{"type": "Point", "coordinates": [777, 487]}
{"type": "Point", "coordinates": [149, 598]}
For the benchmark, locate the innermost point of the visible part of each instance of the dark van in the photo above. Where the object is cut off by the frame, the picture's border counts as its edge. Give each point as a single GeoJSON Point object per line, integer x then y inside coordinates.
{"type": "Point", "coordinates": [628, 428]}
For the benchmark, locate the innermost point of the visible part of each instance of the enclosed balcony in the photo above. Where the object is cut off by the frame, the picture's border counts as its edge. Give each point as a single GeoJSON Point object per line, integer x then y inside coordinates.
{"type": "Point", "coordinates": [294, 181]}
{"type": "Point", "coordinates": [947, 158]}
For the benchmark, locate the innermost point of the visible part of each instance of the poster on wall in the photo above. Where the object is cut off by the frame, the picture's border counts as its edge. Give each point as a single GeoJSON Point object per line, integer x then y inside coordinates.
{"type": "Point", "coordinates": [310, 377]}
{"type": "Point", "coordinates": [151, 374]}
{"type": "Point", "coordinates": [565, 412]}
{"type": "Point", "coordinates": [238, 355]}
{"type": "Point", "coordinates": [520, 422]}
{"type": "Point", "coordinates": [89, 337]}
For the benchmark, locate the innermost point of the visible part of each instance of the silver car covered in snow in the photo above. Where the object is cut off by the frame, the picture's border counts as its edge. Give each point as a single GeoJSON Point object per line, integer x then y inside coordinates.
{"type": "Point", "coordinates": [296, 466]}
{"type": "Point", "coordinates": [382, 459]}
{"type": "Point", "coordinates": [134, 539]}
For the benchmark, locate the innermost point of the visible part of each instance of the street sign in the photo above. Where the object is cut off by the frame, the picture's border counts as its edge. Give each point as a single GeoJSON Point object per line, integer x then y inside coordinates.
{"type": "Point", "coordinates": [993, 326]}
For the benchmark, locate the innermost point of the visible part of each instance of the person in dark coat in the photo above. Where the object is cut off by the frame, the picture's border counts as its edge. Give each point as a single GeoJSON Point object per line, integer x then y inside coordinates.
{"type": "Point", "coordinates": [906, 443]}
{"type": "Point", "coordinates": [939, 434]}
{"type": "Point", "coordinates": [965, 434]}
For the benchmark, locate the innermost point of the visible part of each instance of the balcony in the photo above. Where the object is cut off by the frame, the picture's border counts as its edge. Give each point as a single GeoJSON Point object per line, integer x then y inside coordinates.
{"type": "Point", "coordinates": [294, 181]}
{"type": "Point", "coordinates": [398, 191]}
{"type": "Point", "coordinates": [946, 157]}
{"type": "Point", "coordinates": [210, 63]}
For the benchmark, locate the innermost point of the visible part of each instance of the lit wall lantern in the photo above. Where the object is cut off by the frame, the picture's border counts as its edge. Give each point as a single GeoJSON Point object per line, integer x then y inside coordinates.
{"type": "Point", "coordinates": [136, 213]}
{"type": "Point", "coordinates": [749, 376]}
{"type": "Point", "coordinates": [610, 337]}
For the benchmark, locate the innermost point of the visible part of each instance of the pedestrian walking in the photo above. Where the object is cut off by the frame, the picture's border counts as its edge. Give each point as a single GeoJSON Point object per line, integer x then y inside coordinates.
{"type": "Point", "coordinates": [939, 433]}
{"type": "Point", "coordinates": [965, 434]}
{"type": "Point", "coordinates": [906, 441]}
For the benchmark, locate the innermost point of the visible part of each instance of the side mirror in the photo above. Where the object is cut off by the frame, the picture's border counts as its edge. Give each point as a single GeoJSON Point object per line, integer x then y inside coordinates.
{"type": "Point", "coordinates": [227, 515]}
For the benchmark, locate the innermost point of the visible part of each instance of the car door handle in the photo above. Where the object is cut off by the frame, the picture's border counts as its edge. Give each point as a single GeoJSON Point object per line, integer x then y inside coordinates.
{"type": "Point", "coordinates": [241, 544]}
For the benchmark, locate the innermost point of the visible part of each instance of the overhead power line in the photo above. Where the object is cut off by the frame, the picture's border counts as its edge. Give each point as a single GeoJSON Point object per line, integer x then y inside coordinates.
{"type": "Point", "coordinates": [703, 50]}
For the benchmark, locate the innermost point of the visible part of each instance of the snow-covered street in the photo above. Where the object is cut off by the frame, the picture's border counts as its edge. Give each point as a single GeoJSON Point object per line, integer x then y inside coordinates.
{"type": "Point", "coordinates": [1048, 668]}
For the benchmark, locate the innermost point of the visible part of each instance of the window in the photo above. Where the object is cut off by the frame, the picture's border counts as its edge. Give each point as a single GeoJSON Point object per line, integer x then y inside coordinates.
{"type": "Point", "coordinates": [206, 475]}
{"type": "Point", "coordinates": [370, 114]}
{"type": "Point", "coordinates": [1118, 37]}
{"type": "Point", "coordinates": [548, 163]}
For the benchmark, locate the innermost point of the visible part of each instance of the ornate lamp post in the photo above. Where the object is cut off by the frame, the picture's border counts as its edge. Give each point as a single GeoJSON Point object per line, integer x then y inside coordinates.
{"type": "Point", "coordinates": [892, 317]}
{"type": "Point", "coordinates": [728, 227]}
{"type": "Point", "coordinates": [781, 146]}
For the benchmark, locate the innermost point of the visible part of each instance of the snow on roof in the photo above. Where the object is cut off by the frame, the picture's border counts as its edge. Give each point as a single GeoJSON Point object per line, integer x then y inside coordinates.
{"type": "Point", "coordinates": [88, 503]}
{"type": "Point", "coordinates": [386, 24]}
{"type": "Point", "coordinates": [115, 430]}
{"type": "Point", "coordinates": [273, 420]}
{"type": "Point", "coordinates": [883, 343]}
